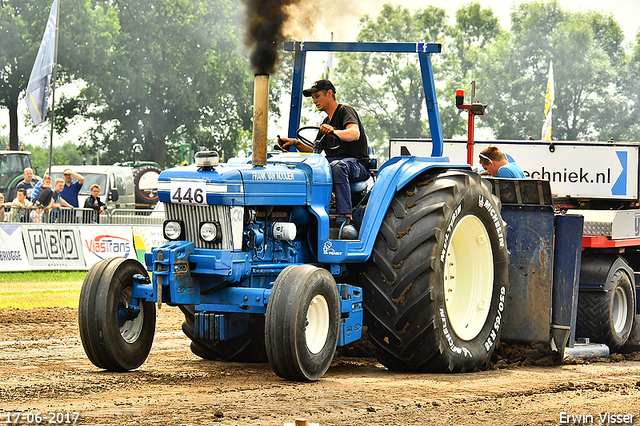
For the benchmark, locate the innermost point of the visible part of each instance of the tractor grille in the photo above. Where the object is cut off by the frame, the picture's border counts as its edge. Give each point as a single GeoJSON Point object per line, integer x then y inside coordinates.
{"type": "Point", "coordinates": [192, 216]}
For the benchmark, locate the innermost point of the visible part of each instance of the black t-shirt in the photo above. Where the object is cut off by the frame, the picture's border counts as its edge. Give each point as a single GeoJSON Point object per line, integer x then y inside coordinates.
{"type": "Point", "coordinates": [344, 115]}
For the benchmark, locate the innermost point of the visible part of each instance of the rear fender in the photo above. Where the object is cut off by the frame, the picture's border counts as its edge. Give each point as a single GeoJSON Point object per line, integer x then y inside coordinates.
{"type": "Point", "coordinates": [596, 271]}
{"type": "Point", "coordinates": [393, 176]}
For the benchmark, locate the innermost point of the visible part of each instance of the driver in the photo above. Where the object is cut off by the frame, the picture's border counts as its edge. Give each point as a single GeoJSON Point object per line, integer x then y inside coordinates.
{"type": "Point", "coordinates": [348, 155]}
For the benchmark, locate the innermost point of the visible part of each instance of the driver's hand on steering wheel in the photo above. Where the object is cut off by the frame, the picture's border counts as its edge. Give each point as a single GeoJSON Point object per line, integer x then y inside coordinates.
{"type": "Point", "coordinates": [327, 129]}
{"type": "Point", "coordinates": [285, 143]}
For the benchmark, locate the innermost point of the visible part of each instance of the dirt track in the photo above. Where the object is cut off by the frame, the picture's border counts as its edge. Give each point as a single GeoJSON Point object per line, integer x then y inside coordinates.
{"type": "Point", "coordinates": [43, 369]}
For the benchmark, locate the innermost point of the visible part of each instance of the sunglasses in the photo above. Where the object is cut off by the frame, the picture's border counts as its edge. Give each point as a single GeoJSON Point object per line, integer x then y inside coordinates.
{"type": "Point", "coordinates": [484, 157]}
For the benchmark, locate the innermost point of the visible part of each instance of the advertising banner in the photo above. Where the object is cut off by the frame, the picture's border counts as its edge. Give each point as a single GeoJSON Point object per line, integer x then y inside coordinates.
{"type": "Point", "coordinates": [145, 238]}
{"type": "Point", "coordinates": [13, 256]}
{"type": "Point", "coordinates": [103, 242]}
{"type": "Point", "coordinates": [575, 169]}
{"type": "Point", "coordinates": [53, 247]}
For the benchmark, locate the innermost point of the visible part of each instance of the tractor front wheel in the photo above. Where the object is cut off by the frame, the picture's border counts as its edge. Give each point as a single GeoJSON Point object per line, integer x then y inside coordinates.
{"type": "Point", "coordinates": [302, 323]}
{"type": "Point", "coordinates": [113, 337]}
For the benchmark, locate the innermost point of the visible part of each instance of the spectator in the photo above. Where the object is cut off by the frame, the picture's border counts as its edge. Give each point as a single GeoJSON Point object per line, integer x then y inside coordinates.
{"type": "Point", "coordinates": [1, 207]}
{"type": "Point", "coordinates": [20, 208]}
{"type": "Point", "coordinates": [70, 192]}
{"type": "Point", "coordinates": [45, 182]}
{"type": "Point", "coordinates": [495, 164]}
{"type": "Point", "coordinates": [51, 200]}
{"type": "Point", "coordinates": [27, 184]}
{"type": "Point", "coordinates": [93, 202]}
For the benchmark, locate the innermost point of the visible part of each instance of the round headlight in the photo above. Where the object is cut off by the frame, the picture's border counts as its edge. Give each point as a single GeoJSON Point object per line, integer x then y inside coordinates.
{"type": "Point", "coordinates": [172, 230]}
{"type": "Point", "coordinates": [210, 232]}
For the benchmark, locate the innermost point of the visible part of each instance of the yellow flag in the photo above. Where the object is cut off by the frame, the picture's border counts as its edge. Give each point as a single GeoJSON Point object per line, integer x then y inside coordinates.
{"type": "Point", "coordinates": [548, 106]}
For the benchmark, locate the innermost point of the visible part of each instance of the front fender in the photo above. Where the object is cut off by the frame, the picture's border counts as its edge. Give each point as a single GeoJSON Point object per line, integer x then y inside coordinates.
{"type": "Point", "coordinates": [392, 176]}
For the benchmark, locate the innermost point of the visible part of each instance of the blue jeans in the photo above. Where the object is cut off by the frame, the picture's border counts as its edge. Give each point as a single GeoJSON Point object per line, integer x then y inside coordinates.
{"type": "Point", "coordinates": [344, 172]}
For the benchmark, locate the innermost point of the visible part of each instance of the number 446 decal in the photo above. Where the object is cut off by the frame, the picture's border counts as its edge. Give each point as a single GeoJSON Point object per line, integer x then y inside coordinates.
{"type": "Point", "coordinates": [193, 192]}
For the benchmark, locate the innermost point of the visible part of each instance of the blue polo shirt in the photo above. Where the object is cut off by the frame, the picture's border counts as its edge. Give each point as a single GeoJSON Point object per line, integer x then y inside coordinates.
{"type": "Point", "coordinates": [511, 170]}
{"type": "Point", "coordinates": [70, 193]}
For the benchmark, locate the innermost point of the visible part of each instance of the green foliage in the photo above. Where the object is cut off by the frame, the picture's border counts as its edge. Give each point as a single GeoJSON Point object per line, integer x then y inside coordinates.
{"type": "Point", "coordinates": [629, 127]}
{"type": "Point", "coordinates": [474, 30]}
{"type": "Point", "coordinates": [176, 74]}
{"type": "Point", "coordinates": [84, 38]}
{"type": "Point", "coordinates": [586, 52]}
{"type": "Point", "coordinates": [162, 73]}
{"type": "Point", "coordinates": [386, 89]}
{"type": "Point", "coordinates": [22, 24]}
{"type": "Point", "coordinates": [68, 153]}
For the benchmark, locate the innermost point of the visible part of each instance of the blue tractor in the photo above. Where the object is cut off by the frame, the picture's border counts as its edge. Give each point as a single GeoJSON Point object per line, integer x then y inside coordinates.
{"type": "Point", "coordinates": [254, 262]}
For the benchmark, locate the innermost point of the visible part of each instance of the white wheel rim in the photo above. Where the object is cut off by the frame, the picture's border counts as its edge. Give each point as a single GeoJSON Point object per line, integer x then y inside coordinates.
{"type": "Point", "coordinates": [131, 330]}
{"type": "Point", "coordinates": [317, 326]}
{"type": "Point", "coordinates": [619, 310]}
{"type": "Point", "coordinates": [468, 277]}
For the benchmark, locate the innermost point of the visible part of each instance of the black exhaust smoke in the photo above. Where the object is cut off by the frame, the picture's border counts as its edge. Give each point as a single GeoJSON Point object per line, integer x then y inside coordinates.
{"type": "Point", "coordinates": [266, 20]}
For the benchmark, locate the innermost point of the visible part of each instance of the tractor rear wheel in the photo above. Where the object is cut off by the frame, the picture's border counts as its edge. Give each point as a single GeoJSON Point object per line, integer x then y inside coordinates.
{"type": "Point", "coordinates": [111, 337]}
{"type": "Point", "coordinates": [436, 283]}
{"type": "Point", "coordinates": [607, 317]}
{"type": "Point", "coordinates": [248, 347]}
{"type": "Point", "coordinates": [302, 323]}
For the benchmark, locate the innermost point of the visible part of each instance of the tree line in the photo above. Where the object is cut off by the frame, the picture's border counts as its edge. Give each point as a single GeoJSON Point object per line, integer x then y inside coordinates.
{"type": "Point", "coordinates": [164, 73]}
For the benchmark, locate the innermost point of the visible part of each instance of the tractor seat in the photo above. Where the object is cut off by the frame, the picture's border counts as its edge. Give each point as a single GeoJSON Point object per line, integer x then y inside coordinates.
{"type": "Point", "coordinates": [359, 186]}
{"type": "Point", "coordinates": [372, 166]}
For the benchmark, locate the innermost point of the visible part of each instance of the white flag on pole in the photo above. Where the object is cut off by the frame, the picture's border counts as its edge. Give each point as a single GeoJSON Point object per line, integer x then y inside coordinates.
{"type": "Point", "coordinates": [548, 106]}
{"type": "Point", "coordinates": [40, 79]}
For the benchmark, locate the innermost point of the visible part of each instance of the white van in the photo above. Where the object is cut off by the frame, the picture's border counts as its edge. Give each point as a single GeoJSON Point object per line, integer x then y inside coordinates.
{"type": "Point", "coordinates": [117, 189]}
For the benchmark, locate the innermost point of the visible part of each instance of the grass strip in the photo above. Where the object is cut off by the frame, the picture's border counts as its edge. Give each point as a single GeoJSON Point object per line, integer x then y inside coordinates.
{"type": "Point", "coordinates": [40, 289]}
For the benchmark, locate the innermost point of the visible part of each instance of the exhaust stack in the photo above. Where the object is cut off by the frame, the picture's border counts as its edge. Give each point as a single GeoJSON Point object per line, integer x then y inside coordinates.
{"type": "Point", "coordinates": [260, 116]}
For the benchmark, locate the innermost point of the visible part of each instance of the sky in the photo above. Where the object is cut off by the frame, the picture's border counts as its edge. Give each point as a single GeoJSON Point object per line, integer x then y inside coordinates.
{"type": "Point", "coordinates": [343, 22]}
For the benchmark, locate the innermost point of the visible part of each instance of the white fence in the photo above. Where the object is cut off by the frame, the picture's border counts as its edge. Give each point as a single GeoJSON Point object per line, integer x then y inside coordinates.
{"type": "Point", "coordinates": [61, 246]}
{"type": "Point", "coordinates": [84, 216]}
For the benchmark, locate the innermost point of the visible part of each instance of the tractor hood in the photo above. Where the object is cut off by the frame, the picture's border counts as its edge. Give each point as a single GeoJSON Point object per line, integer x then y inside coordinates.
{"type": "Point", "coordinates": [284, 181]}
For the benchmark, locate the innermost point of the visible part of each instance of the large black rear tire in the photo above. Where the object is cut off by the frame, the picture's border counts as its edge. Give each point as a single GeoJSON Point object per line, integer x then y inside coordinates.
{"type": "Point", "coordinates": [110, 339]}
{"type": "Point", "coordinates": [436, 283]}
{"type": "Point", "coordinates": [607, 317]}
{"type": "Point", "coordinates": [248, 347]}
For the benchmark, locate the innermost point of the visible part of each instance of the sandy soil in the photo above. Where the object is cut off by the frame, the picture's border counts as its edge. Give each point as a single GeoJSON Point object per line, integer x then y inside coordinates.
{"type": "Point", "coordinates": [43, 369]}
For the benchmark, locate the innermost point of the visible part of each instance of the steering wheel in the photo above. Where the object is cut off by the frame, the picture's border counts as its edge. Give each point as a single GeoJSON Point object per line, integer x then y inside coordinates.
{"type": "Point", "coordinates": [316, 145]}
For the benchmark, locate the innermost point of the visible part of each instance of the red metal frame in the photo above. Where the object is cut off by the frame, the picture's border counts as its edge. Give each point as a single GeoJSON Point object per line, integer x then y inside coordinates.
{"type": "Point", "coordinates": [606, 242]}
{"type": "Point", "coordinates": [470, 124]}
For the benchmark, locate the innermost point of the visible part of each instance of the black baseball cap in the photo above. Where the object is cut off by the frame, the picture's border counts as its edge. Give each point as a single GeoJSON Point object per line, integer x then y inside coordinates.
{"type": "Point", "coordinates": [319, 85]}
